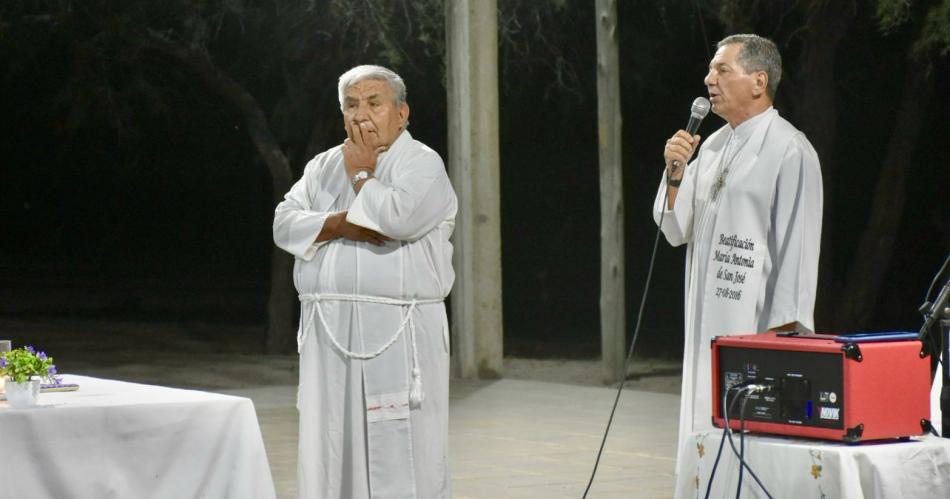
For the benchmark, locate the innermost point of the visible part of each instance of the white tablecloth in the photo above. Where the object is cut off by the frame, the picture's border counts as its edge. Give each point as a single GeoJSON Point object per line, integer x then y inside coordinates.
{"type": "Point", "coordinates": [799, 468]}
{"type": "Point", "coordinates": [112, 439]}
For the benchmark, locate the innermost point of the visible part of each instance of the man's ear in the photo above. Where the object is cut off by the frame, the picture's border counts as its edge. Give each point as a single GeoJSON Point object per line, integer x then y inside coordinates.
{"type": "Point", "coordinates": [761, 83]}
{"type": "Point", "coordinates": [403, 115]}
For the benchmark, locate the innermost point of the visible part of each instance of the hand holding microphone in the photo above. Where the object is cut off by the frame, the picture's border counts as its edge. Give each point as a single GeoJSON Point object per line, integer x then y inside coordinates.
{"type": "Point", "coordinates": [681, 146]}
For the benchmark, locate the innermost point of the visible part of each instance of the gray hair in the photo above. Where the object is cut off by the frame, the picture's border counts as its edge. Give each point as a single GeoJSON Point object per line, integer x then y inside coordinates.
{"type": "Point", "coordinates": [371, 72]}
{"type": "Point", "coordinates": [758, 54]}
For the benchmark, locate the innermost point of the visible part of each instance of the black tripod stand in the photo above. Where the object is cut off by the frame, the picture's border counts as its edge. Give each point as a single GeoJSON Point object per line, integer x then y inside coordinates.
{"type": "Point", "coordinates": [936, 333]}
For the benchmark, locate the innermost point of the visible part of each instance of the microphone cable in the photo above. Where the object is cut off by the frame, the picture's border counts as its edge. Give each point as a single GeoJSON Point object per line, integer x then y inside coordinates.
{"type": "Point", "coordinates": [643, 299]}
{"type": "Point", "coordinates": [725, 397]}
{"type": "Point", "coordinates": [633, 342]}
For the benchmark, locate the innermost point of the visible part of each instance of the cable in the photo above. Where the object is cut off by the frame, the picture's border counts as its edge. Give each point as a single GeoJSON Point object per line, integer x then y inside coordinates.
{"type": "Point", "coordinates": [633, 343]}
{"type": "Point", "coordinates": [725, 429]}
{"type": "Point", "coordinates": [712, 474]}
{"type": "Point", "coordinates": [742, 463]}
{"type": "Point", "coordinates": [741, 441]}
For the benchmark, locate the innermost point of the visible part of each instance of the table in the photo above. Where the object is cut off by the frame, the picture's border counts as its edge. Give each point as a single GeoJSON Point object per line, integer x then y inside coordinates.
{"type": "Point", "coordinates": [800, 468]}
{"type": "Point", "coordinates": [112, 439]}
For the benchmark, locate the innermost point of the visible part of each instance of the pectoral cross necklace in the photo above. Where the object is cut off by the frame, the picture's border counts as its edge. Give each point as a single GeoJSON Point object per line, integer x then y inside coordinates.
{"type": "Point", "coordinates": [720, 181]}
{"type": "Point", "coordinates": [723, 169]}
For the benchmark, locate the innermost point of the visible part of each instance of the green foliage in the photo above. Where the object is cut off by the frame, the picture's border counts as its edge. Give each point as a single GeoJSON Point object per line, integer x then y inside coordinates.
{"type": "Point", "coordinates": [935, 34]}
{"type": "Point", "coordinates": [23, 363]}
{"type": "Point", "coordinates": [930, 19]}
{"type": "Point", "coordinates": [892, 14]}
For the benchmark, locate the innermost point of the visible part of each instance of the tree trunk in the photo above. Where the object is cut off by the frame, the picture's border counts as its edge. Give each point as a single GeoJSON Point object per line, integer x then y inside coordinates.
{"type": "Point", "coordinates": [281, 330]}
{"type": "Point", "coordinates": [281, 304]}
{"type": "Point", "coordinates": [816, 115]}
{"type": "Point", "coordinates": [613, 330]}
{"type": "Point", "coordinates": [876, 246]}
{"type": "Point", "coordinates": [472, 98]}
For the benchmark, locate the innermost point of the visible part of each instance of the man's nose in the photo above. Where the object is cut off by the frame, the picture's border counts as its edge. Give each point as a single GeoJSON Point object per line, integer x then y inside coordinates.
{"type": "Point", "coordinates": [709, 80]}
{"type": "Point", "coordinates": [362, 112]}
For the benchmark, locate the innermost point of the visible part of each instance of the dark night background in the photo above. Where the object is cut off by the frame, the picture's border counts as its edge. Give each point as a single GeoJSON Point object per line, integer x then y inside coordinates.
{"type": "Point", "coordinates": [131, 191]}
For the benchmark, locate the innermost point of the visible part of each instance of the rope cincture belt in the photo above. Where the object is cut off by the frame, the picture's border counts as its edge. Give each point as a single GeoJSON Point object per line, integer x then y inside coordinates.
{"type": "Point", "coordinates": [415, 392]}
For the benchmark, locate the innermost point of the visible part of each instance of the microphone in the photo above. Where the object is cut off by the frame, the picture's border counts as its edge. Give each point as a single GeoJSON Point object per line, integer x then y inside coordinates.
{"type": "Point", "coordinates": [697, 112]}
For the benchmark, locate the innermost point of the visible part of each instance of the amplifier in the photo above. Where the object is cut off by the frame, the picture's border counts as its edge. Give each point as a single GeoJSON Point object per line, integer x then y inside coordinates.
{"type": "Point", "coordinates": [824, 386]}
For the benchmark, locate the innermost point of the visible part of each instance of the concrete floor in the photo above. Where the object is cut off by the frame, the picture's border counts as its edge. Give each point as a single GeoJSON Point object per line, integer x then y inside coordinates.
{"type": "Point", "coordinates": [513, 438]}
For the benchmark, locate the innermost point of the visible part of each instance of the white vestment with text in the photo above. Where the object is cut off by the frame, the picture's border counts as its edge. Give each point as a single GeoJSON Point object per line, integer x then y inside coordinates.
{"type": "Point", "coordinates": [749, 208]}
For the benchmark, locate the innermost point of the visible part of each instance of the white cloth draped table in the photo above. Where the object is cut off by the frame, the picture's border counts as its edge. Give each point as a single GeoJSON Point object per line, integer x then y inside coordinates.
{"type": "Point", "coordinates": [112, 439]}
{"type": "Point", "coordinates": [800, 468]}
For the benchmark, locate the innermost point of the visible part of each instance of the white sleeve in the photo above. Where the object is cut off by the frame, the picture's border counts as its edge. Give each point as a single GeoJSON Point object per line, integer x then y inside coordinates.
{"type": "Point", "coordinates": [419, 198]}
{"type": "Point", "coordinates": [298, 219]}
{"type": "Point", "coordinates": [795, 238]}
{"type": "Point", "coordinates": [678, 222]}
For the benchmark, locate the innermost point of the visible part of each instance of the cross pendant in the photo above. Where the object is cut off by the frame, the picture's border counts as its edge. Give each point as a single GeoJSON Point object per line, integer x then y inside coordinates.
{"type": "Point", "coordinates": [720, 181]}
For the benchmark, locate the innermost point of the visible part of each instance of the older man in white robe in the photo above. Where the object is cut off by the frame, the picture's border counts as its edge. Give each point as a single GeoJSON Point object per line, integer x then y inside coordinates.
{"type": "Point", "coordinates": [749, 208]}
{"type": "Point", "coordinates": [369, 224]}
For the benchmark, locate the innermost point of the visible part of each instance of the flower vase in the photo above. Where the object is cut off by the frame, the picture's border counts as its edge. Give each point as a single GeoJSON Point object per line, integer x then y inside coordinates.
{"type": "Point", "coordinates": [20, 395]}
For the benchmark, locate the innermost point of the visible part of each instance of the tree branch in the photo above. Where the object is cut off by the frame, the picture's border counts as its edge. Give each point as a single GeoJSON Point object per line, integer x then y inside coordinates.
{"type": "Point", "coordinates": [235, 94]}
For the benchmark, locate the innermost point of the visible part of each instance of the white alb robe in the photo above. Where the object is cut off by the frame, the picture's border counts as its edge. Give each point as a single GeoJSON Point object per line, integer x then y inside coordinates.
{"type": "Point", "coordinates": [359, 437]}
{"type": "Point", "coordinates": [752, 255]}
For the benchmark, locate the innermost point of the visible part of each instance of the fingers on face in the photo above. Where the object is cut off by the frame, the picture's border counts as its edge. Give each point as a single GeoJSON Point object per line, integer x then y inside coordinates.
{"type": "Point", "coordinates": [357, 132]}
{"type": "Point", "coordinates": [348, 125]}
{"type": "Point", "coordinates": [369, 137]}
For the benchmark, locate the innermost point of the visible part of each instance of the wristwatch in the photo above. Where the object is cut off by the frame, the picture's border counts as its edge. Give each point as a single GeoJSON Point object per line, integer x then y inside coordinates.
{"type": "Point", "coordinates": [669, 176]}
{"type": "Point", "coordinates": [360, 175]}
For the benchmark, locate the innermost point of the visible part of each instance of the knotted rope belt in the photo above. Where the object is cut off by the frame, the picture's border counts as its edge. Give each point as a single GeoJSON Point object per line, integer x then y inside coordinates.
{"type": "Point", "coordinates": [415, 392]}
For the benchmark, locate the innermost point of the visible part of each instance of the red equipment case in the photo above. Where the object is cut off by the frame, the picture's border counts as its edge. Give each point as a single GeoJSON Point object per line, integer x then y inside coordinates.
{"type": "Point", "coordinates": [845, 391]}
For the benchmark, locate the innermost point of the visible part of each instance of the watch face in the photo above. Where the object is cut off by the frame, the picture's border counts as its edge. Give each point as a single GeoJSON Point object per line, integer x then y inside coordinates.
{"type": "Point", "coordinates": [360, 175]}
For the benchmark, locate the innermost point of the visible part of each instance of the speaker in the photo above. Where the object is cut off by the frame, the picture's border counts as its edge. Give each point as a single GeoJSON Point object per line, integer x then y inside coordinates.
{"type": "Point", "coordinates": [833, 387]}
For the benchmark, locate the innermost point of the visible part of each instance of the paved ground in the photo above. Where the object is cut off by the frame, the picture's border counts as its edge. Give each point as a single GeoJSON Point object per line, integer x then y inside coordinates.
{"type": "Point", "coordinates": [515, 438]}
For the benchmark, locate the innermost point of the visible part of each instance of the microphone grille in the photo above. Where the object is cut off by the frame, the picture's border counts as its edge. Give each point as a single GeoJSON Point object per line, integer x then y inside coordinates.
{"type": "Point", "coordinates": [700, 107]}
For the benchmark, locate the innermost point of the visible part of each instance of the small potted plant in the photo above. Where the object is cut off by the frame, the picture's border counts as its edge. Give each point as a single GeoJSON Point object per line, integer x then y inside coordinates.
{"type": "Point", "coordinates": [23, 368]}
